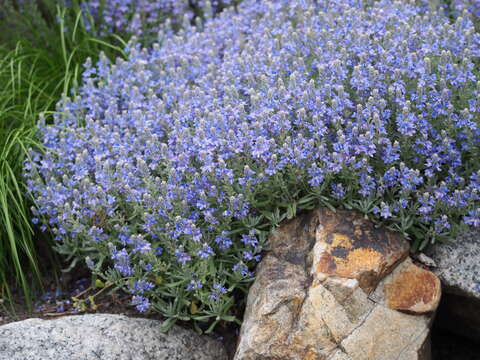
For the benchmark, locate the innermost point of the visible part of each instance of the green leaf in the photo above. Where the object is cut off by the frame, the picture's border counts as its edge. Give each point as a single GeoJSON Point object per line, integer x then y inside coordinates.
{"type": "Point", "coordinates": [212, 326]}
{"type": "Point", "coordinates": [167, 324]}
{"type": "Point", "coordinates": [291, 211]}
{"type": "Point", "coordinates": [228, 318]}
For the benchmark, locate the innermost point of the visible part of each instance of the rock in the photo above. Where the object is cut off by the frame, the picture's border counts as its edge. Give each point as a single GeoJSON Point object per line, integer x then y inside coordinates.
{"type": "Point", "coordinates": [388, 334]}
{"type": "Point", "coordinates": [103, 336]}
{"type": "Point", "coordinates": [458, 267]}
{"type": "Point", "coordinates": [351, 248]}
{"type": "Point", "coordinates": [458, 264]}
{"type": "Point", "coordinates": [425, 260]}
{"type": "Point", "coordinates": [409, 288]}
{"type": "Point", "coordinates": [334, 287]}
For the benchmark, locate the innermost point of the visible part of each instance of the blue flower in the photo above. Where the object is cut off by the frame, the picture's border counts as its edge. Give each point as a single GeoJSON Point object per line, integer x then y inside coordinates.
{"type": "Point", "coordinates": [384, 210]}
{"type": "Point", "coordinates": [142, 304]}
{"type": "Point", "coordinates": [218, 291]}
{"type": "Point", "coordinates": [182, 257]}
{"type": "Point", "coordinates": [249, 240]}
{"type": "Point", "coordinates": [223, 241]}
{"type": "Point", "coordinates": [141, 286]}
{"type": "Point", "coordinates": [242, 269]}
{"type": "Point", "coordinates": [194, 285]}
{"type": "Point", "coordinates": [205, 252]}
{"type": "Point", "coordinates": [122, 262]}
{"type": "Point", "coordinates": [473, 218]}
{"type": "Point", "coordinates": [338, 191]}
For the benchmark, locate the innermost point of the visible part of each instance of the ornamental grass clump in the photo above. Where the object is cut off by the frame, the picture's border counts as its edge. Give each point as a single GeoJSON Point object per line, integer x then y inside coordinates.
{"type": "Point", "coordinates": [42, 49]}
{"type": "Point", "coordinates": [167, 171]}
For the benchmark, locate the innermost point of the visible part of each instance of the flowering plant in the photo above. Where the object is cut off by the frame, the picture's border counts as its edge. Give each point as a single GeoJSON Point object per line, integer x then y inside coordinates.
{"type": "Point", "coordinates": [458, 6]}
{"type": "Point", "coordinates": [143, 18]}
{"type": "Point", "coordinates": [167, 171]}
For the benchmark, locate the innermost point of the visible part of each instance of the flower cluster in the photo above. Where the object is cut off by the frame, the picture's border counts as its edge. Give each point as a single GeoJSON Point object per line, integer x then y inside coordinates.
{"type": "Point", "coordinates": [141, 18]}
{"type": "Point", "coordinates": [169, 169]}
{"type": "Point", "coordinates": [455, 8]}
{"type": "Point", "coordinates": [472, 6]}
{"type": "Point", "coordinates": [144, 17]}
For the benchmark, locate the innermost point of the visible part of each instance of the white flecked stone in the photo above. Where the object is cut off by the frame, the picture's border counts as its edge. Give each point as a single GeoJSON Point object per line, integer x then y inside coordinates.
{"type": "Point", "coordinates": [458, 264]}
{"type": "Point", "coordinates": [103, 336]}
{"type": "Point", "coordinates": [458, 267]}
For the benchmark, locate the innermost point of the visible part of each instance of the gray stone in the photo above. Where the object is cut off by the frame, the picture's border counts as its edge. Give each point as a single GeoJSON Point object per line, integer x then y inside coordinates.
{"type": "Point", "coordinates": [103, 336]}
{"type": "Point", "coordinates": [458, 267]}
{"type": "Point", "coordinates": [458, 264]}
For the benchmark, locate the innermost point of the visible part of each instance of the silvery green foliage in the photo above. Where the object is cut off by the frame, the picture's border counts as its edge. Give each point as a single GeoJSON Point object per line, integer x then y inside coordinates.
{"type": "Point", "coordinates": [168, 169]}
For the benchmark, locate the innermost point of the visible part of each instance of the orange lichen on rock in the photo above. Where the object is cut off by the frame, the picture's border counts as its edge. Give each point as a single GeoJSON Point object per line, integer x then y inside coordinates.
{"type": "Point", "coordinates": [326, 264]}
{"type": "Point", "coordinates": [311, 354]}
{"type": "Point", "coordinates": [413, 290]}
{"type": "Point", "coordinates": [357, 261]}
{"type": "Point", "coordinates": [341, 240]}
{"type": "Point", "coordinates": [352, 248]}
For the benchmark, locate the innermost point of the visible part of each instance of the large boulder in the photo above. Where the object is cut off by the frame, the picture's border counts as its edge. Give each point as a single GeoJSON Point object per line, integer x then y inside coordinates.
{"type": "Point", "coordinates": [332, 286]}
{"type": "Point", "coordinates": [103, 336]}
{"type": "Point", "coordinates": [458, 267]}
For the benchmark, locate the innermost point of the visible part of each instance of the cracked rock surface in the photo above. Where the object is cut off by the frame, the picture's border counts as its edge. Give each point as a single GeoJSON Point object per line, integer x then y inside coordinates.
{"type": "Point", "coordinates": [334, 287]}
{"type": "Point", "coordinates": [103, 336]}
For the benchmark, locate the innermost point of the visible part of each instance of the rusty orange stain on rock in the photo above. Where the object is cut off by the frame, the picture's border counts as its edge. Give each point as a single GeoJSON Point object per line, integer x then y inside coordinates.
{"type": "Point", "coordinates": [354, 248]}
{"type": "Point", "coordinates": [312, 355]}
{"type": "Point", "coordinates": [413, 290]}
{"type": "Point", "coordinates": [327, 264]}
{"type": "Point", "coordinates": [341, 240]}
{"type": "Point", "coordinates": [360, 264]}
{"type": "Point", "coordinates": [296, 304]}
{"type": "Point", "coordinates": [358, 260]}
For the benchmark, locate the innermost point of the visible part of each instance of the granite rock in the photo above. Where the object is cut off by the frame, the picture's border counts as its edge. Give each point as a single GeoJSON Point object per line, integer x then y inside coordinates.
{"type": "Point", "coordinates": [458, 264]}
{"type": "Point", "coordinates": [334, 287]}
{"type": "Point", "coordinates": [103, 336]}
{"type": "Point", "coordinates": [458, 267]}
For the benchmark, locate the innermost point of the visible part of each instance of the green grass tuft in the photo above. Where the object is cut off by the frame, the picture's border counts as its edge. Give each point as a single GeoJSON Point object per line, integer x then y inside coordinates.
{"type": "Point", "coordinates": [42, 51]}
